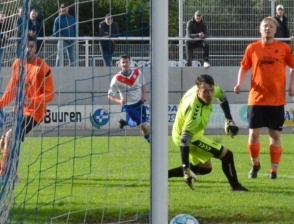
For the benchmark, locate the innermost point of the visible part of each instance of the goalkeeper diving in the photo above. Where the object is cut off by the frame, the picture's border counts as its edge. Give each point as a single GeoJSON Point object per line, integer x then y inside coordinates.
{"type": "Point", "coordinates": [188, 134]}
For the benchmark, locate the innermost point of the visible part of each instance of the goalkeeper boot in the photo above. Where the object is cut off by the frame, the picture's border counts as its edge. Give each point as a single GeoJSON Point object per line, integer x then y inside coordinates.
{"type": "Point", "coordinates": [122, 123]}
{"type": "Point", "coordinates": [239, 187]}
{"type": "Point", "coordinates": [253, 172]}
{"type": "Point", "coordinates": [272, 175]}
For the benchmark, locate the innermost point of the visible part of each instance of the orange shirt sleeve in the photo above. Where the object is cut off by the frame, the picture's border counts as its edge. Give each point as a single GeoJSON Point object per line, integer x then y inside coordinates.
{"type": "Point", "coordinates": [11, 89]}
{"type": "Point", "coordinates": [289, 57]}
{"type": "Point", "coordinates": [246, 62]}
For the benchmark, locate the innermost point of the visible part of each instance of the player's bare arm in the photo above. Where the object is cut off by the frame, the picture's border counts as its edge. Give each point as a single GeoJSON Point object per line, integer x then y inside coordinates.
{"type": "Point", "coordinates": [291, 84]}
{"type": "Point", "coordinates": [241, 77]}
{"type": "Point", "coordinates": [121, 101]}
{"type": "Point", "coordinates": [144, 97]}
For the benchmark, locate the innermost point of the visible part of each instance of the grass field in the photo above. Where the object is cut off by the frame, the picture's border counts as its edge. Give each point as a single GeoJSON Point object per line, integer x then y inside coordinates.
{"type": "Point", "coordinates": [107, 180]}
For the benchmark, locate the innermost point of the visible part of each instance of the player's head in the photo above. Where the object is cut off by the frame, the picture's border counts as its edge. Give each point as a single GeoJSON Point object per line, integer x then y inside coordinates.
{"type": "Point", "coordinates": [31, 48]}
{"type": "Point", "coordinates": [197, 16]}
{"type": "Point", "coordinates": [205, 88]}
{"type": "Point", "coordinates": [280, 10]}
{"type": "Point", "coordinates": [268, 27]}
{"type": "Point", "coordinates": [125, 62]}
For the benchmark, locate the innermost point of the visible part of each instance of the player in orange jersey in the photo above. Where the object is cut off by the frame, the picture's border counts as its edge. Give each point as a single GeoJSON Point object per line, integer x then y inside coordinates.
{"type": "Point", "coordinates": [267, 58]}
{"type": "Point", "coordinates": [38, 92]}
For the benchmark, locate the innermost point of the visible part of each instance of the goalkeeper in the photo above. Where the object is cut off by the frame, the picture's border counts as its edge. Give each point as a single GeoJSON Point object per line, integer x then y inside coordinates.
{"type": "Point", "coordinates": [188, 134]}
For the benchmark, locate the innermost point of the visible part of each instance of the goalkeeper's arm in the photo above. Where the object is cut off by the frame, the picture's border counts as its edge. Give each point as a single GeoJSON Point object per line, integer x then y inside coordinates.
{"type": "Point", "coordinates": [224, 104]}
{"type": "Point", "coordinates": [189, 176]}
{"type": "Point", "coordinates": [184, 147]}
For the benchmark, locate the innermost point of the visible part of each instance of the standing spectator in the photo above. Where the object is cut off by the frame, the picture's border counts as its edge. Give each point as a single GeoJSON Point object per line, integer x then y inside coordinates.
{"type": "Point", "coordinates": [197, 28]}
{"type": "Point", "coordinates": [35, 28]}
{"type": "Point", "coordinates": [65, 26]}
{"type": "Point", "coordinates": [283, 29]}
{"type": "Point", "coordinates": [131, 86]}
{"type": "Point", "coordinates": [267, 59]}
{"type": "Point", "coordinates": [20, 15]}
{"type": "Point", "coordinates": [38, 92]}
{"type": "Point", "coordinates": [108, 28]}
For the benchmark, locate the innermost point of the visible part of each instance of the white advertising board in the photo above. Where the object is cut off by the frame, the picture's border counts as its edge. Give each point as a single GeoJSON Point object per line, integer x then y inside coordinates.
{"type": "Point", "coordinates": [87, 117]}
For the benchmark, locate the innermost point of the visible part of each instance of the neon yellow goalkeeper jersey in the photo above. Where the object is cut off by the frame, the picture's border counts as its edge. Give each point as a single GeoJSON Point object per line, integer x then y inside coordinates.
{"type": "Point", "coordinates": [193, 115]}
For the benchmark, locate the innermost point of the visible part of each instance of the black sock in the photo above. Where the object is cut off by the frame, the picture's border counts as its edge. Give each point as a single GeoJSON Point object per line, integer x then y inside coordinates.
{"type": "Point", "coordinates": [178, 171]}
{"type": "Point", "coordinates": [229, 169]}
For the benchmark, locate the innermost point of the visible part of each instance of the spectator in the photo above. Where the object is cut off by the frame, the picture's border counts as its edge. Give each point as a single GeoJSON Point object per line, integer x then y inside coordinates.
{"type": "Point", "coordinates": [197, 28]}
{"type": "Point", "coordinates": [20, 15]}
{"type": "Point", "coordinates": [283, 29]}
{"type": "Point", "coordinates": [65, 26]}
{"type": "Point", "coordinates": [35, 28]}
{"type": "Point", "coordinates": [108, 28]}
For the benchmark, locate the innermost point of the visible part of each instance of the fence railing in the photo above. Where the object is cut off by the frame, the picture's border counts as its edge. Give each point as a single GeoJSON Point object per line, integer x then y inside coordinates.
{"type": "Point", "coordinates": [223, 51]}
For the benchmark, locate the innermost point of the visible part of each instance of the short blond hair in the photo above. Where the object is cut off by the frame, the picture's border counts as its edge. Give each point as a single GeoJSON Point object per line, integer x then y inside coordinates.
{"type": "Point", "coordinates": [269, 18]}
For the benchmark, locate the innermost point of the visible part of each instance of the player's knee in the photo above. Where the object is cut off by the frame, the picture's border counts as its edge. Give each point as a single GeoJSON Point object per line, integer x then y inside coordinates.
{"type": "Point", "coordinates": [9, 133]}
{"type": "Point", "coordinates": [205, 171]}
{"type": "Point", "coordinates": [2, 141]}
{"type": "Point", "coordinates": [200, 170]}
{"type": "Point", "coordinates": [8, 139]}
{"type": "Point", "coordinates": [145, 128]}
{"type": "Point", "coordinates": [228, 156]}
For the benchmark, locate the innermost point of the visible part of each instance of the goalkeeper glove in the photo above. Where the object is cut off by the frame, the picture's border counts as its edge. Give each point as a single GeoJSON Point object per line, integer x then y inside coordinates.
{"type": "Point", "coordinates": [231, 128]}
{"type": "Point", "coordinates": [189, 177]}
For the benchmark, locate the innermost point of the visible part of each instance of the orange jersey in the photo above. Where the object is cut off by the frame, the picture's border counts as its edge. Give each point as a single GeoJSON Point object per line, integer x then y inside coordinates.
{"type": "Point", "coordinates": [39, 90]}
{"type": "Point", "coordinates": [268, 63]}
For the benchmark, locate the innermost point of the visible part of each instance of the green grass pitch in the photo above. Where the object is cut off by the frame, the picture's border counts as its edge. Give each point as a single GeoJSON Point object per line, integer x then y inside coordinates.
{"type": "Point", "coordinates": [110, 178]}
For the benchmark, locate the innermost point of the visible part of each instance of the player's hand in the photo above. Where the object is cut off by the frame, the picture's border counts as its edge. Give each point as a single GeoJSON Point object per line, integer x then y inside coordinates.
{"type": "Point", "coordinates": [231, 128]}
{"type": "Point", "coordinates": [237, 89]}
{"type": "Point", "coordinates": [143, 99]}
{"type": "Point", "coordinates": [122, 101]}
{"type": "Point", "coordinates": [189, 177]}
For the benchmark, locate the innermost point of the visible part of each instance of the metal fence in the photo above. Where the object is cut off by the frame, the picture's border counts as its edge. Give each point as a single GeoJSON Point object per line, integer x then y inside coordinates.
{"type": "Point", "coordinates": [89, 53]}
{"type": "Point", "coordinates": [225, 19]}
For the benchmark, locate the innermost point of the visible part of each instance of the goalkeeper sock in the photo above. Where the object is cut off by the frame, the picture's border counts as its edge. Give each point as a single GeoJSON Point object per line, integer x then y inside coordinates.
{"type": "Point", "coordinates": [229, 169]}
{"type": "Point", "coordinates": [178, 171]}
{"type": "Point", "coordinates": [275, 154]}
{"type": "Point", "coordinates": [254, 153]}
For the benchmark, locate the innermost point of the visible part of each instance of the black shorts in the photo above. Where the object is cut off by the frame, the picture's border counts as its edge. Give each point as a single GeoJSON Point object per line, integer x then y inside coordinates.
{"type": "Point", "coordinates": [27, 124]}
{"type": "Point", "coordinates": [272, 117]}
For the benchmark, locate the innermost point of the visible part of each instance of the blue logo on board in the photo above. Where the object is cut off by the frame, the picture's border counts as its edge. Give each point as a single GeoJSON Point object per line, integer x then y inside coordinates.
{"type": "Point", "coordinates": [99, 118]}
{"type": "Point", "coordinates": [243, 113]}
